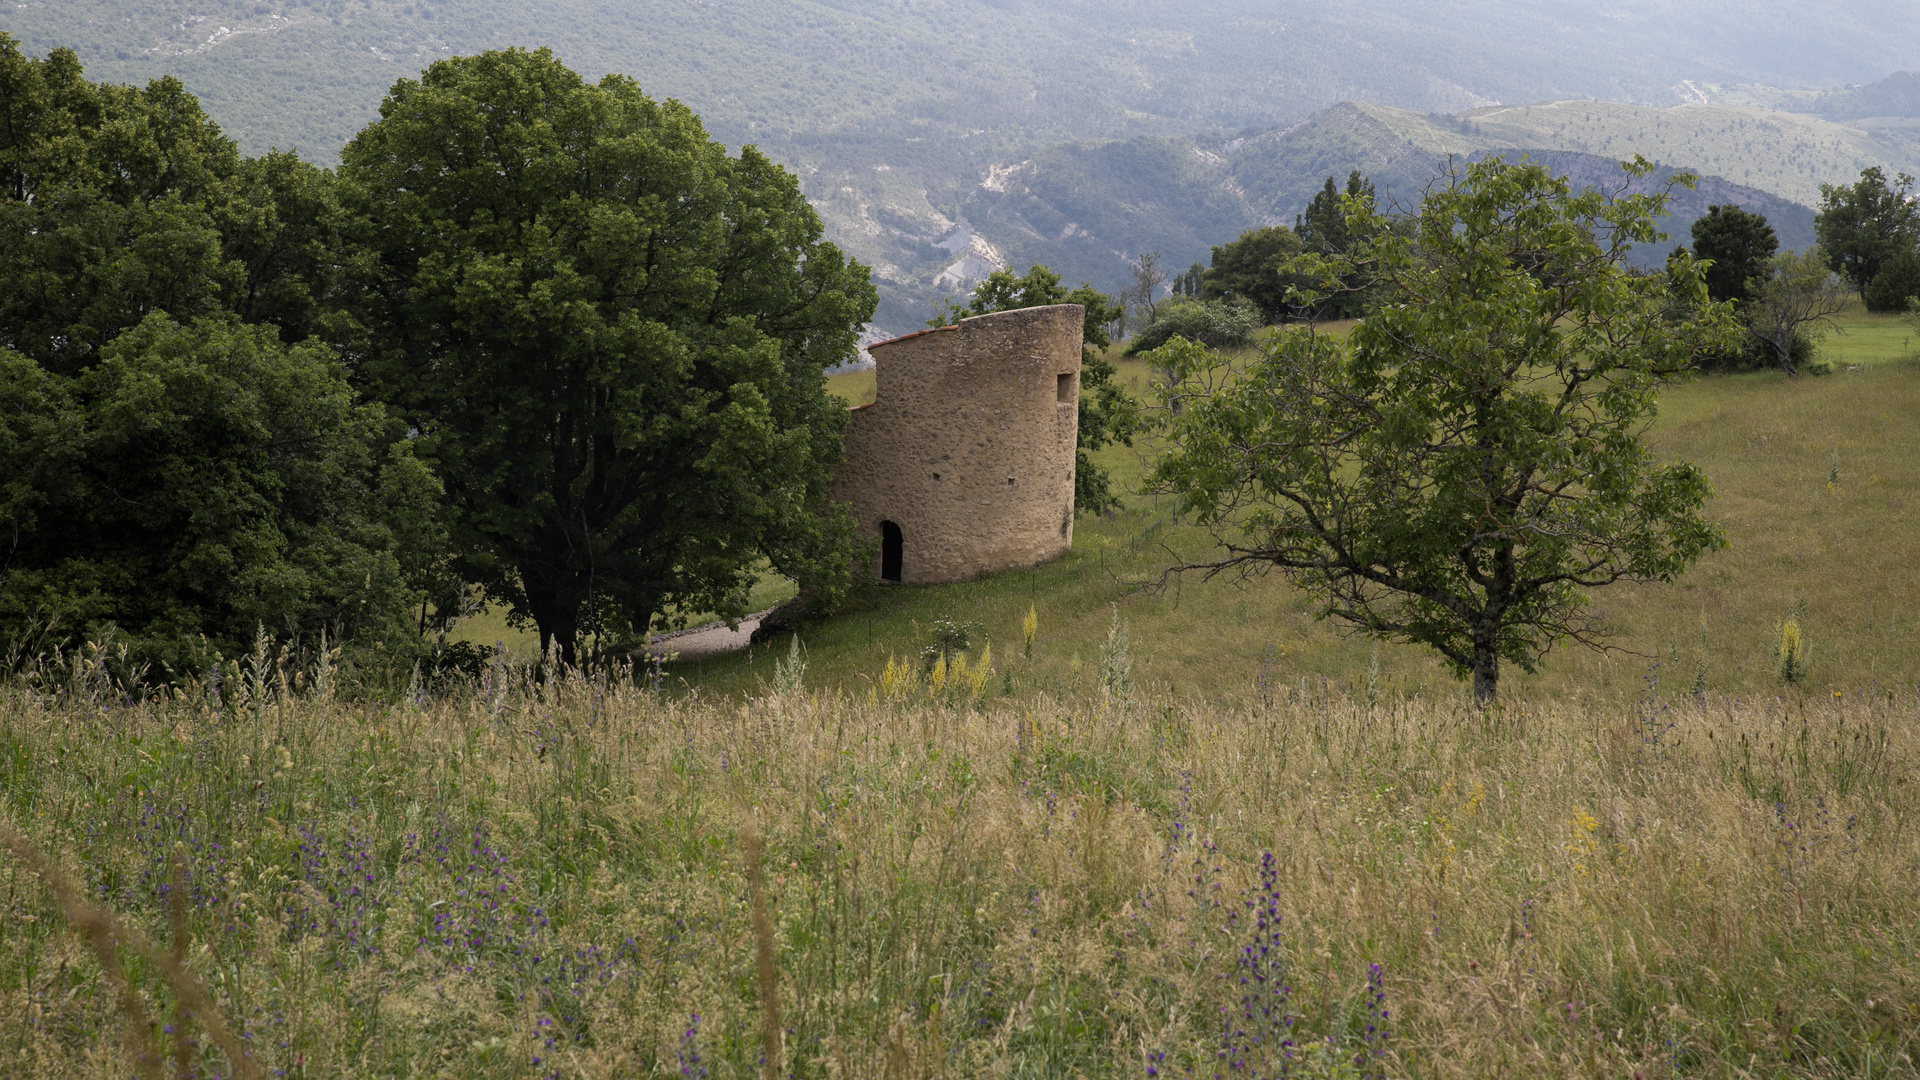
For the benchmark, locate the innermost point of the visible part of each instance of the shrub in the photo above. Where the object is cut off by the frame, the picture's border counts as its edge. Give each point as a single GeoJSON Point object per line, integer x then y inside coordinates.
{"type": "Point", "coordinates": [1757, 355]}
{"type": "Point", "coordinates": [1226, 323]}
{"type": "Point", "coordinates": [1897, 283]}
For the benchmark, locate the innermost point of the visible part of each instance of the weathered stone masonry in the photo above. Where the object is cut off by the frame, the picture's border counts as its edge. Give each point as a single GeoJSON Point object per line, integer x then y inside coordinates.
{"type": "Point", "coordinates": [963, 464]}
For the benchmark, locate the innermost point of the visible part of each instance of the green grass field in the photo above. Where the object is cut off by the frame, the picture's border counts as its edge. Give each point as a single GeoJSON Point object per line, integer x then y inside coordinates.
{"type": "Point", "coordinates": [1082, 865]}
{"type": "Point", "coordinates": [1849, 549]}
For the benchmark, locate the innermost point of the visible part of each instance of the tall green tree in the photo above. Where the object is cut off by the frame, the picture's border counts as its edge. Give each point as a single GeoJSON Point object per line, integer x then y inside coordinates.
{"type": "Point", "coordinates": [170, 472]}
{"type": "Point", "coordinates": [611, 337]}
{"type": "Point", "coordinates": [117, 202]}
{"type": "Point", "coordinates": [1254, 266]}
{"type": "Point", "coordinates": [203, 481]}
{"type": "Point", "coordinates": [1862, 225]}
{"type": "Point", "coordinates": [1324, 232]}
{"type": "Point", "coordinates": [1466, 465]}
{"type": "Point", "coordinates": [1741, 246]}
{"type": "Point", "coordinates": [1105, 410]}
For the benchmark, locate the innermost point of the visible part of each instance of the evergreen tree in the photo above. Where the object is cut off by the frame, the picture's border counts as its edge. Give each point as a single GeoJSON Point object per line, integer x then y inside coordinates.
{"type": "Point", "coordinates": [1741, 245]}
{"type": "Point", "coordinates": [1897, 284]}
{"type": "Point", "coordinates": [1324, 232]}
{"type": "Point", "coordinates": [1323, 227]}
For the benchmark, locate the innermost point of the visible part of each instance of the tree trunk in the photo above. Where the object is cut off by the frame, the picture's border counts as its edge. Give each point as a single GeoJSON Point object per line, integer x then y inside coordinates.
{"type": "Point", "coordinates": [1486, 670]}
{"type": "Point", "coordinates": [1783, 348]}
{"type": "Point", "coordinates": [558, 619]}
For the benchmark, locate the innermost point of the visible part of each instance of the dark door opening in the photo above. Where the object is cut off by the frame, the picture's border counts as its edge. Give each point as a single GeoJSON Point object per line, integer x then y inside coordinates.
{"type": "Point", "coordinates": [891, 547]}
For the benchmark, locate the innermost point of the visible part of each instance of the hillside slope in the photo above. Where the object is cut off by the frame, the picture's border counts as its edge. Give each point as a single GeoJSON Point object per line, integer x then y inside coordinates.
{"type": "Point", "coordinates": [1783, 154]}
{"type": "Point", "coordinates": [1088, 209]}
{"type": "Point", "coordinates": [796, 72]}
{"type": "Point", "coordinates": [941, 138]}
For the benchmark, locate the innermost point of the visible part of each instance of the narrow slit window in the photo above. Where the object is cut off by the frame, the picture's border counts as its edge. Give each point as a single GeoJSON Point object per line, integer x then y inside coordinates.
{"type": "Point", "coordinates": [1067, 389]}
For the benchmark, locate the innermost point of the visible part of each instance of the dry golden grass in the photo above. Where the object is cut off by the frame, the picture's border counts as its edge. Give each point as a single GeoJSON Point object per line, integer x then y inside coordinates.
{"type": "Point", "coordinates": [519, 881]}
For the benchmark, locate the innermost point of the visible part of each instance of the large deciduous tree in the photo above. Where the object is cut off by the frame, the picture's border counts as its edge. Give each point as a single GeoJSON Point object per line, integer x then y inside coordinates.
{"type": "Point", "coordinates": [105, 218]}
{"type": "Point", "coordinates": [166, 471]}
{"type": "Point", "coordinates": [117, 202]}
{"type": "Point", "coordinates": [196, 483]}
{"type": "Point", "coordinates": [1105, 409]}
{"type": "Point", "coordinates": [1862, 225]}
{"type": "Point", "coordinates": [1468, 463]}
{"type": "Point", "coordinates": [1255, 267]}
{"type": "Point", "coordinates": [611, 337]}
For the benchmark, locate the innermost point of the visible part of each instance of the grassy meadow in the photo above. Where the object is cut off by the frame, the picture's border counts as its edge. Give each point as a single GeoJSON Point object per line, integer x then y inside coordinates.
{"type": "Point", "coordinates": [1814, 481]}
{"type": "Point", "coordinates": [559, 880]}
{"type": "Point", "coordinates": [1189, 831]}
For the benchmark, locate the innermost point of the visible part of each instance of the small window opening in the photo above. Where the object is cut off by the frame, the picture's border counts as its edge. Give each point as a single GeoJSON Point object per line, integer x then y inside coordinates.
{"type": "Point", "coordinates": [1065, 389]}
{"type": "Point", "coordinates": [892, 546]}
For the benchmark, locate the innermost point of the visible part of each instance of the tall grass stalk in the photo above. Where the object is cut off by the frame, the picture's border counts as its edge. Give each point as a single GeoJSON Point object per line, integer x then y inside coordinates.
{"type": "Point", "coordinates": [544, 878]}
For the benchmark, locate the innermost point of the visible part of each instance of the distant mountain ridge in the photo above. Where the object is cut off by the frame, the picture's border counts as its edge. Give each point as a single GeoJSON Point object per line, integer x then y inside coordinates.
{"type": "Point", "coordinates": [941, 138]}
{"type": "Point", "coordinates": [1087, 209]}
{"type": "Point", "coordinates": [1896, 96]}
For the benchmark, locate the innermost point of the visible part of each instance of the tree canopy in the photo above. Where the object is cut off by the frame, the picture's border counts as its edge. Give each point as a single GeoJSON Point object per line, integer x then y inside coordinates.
{"type": "Point", "coordinates": [172, 474]}
{"type": "Point", "coordinates": [1220, 323]}
{"type": "Point", "coordinates": [121, 202]}
{"type": "Point", "coordinates": [1740, 245]}
{"type": "Point", "coordinates": [1467, 464]}
{"type": "Point", "coordinates": [1105, 410]}
{"type": "Point", "coordinates": [199, 482]}
{"type": "Point", "coordinates": [1254, 266]}
{"type": "Point", "coordinates": [611, 338]}
{"type": "Point", "coordinates": [1863, 225]}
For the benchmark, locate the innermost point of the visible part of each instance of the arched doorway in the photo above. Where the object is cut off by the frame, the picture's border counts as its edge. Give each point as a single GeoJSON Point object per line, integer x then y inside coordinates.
{"type": "Point", "coordinates": [891, 549]}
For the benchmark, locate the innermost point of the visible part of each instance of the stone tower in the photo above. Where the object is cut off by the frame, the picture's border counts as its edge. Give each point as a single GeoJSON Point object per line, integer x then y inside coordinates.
{"type": "Point", "coordinates": [963, 464]}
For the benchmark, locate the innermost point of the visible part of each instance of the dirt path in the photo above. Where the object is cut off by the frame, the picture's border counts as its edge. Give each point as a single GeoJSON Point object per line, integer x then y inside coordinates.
{"type": "Point", "coordinates": [709, 639]}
